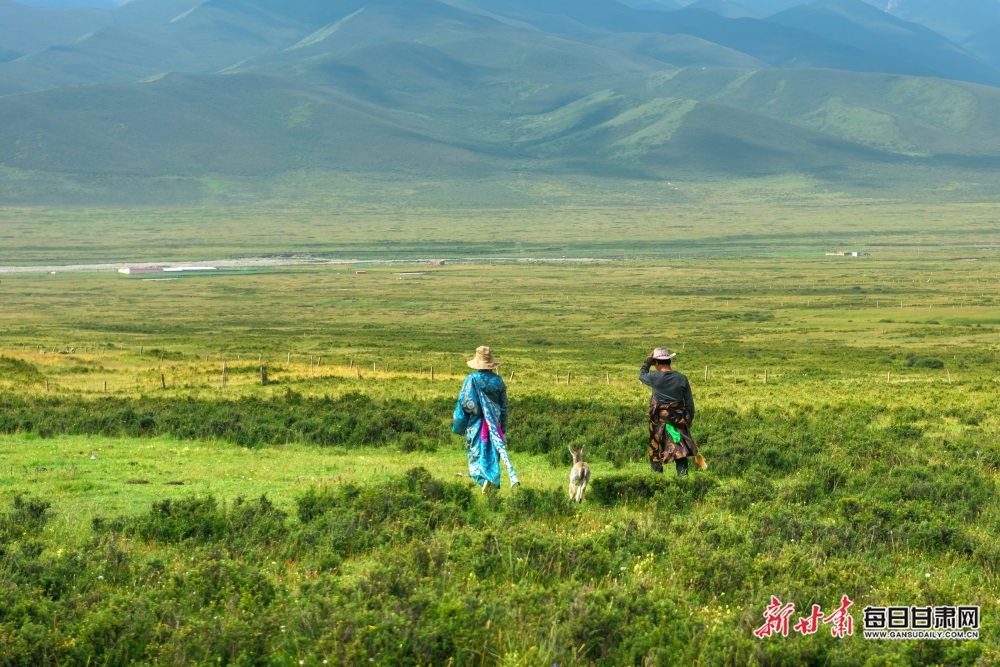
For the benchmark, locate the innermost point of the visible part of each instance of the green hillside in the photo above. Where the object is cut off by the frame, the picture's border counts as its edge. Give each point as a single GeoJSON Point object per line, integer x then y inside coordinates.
{"type": "Point", "coordinates": [186, 125]}
{"type": "Point", "coordinates": [236, 98]}
{"type": "Point", "coordinates": [696, 124]}
{"type": "Point", "coordinates": [903, 115]}
{"type": "Point", "coordinates": [663, 137]}
{"type": "Point", "coordinates": [205, 38]}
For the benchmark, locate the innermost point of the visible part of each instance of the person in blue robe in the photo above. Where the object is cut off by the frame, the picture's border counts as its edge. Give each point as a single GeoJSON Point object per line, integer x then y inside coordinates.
{"type": "Point", "coordinates": [481, 416]}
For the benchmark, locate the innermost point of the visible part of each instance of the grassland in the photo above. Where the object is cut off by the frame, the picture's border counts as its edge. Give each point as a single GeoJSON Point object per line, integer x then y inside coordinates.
{"type": "Point", "coordinates": [781, 217]}
{"type": "Point", "coordinates": [866, 465]}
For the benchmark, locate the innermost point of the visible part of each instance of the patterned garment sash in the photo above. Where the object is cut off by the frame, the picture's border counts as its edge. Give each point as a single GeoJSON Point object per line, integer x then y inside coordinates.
{"type": "Point", "coordinates": [662, 447]}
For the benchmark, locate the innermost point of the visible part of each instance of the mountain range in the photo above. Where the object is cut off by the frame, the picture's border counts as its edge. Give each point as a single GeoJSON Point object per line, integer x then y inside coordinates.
{"type": "Point", "coordinates": [161, 100]}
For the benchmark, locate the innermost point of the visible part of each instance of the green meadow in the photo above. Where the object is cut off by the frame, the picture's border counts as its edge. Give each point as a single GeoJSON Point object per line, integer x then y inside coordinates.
{"type": "Point", "coordinates": [155, 511]}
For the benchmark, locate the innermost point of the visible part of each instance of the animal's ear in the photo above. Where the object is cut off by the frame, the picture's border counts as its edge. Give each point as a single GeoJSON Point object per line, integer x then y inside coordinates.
{"type": "Point", "coordinates": [570, 450]}
{"type": "Point", "coordinates": [581, 449]}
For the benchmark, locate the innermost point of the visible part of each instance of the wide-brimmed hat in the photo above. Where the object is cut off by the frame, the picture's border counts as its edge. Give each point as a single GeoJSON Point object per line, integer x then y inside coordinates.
{"type": "Point", "coordinates": [484, 360]}
{"type": "Point", "coordinates": [663, 354]}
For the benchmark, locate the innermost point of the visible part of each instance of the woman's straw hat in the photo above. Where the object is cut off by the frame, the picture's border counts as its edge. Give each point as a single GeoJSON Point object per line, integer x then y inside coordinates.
{"type": "Point", "coordinates": [663, 354]}
{"type": "Point", "coordinates": [484, 360]}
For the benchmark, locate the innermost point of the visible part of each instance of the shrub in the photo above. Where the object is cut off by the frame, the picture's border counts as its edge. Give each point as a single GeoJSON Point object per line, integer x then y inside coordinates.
{"type": "Point", "coordinates": [535, 504]}
{"type": "Point", "coordinates": [614, 489]}
{"type": "Point", "coordinates": [915, 361]}
{"type": "Point", "coordinates": [18, 371]}
{"type": "Point", "coordinates": [242, 526]}
{"type": "Point", "coordinates": [669, 491]}
{"type": "Point", "coordinates": [350, 519]}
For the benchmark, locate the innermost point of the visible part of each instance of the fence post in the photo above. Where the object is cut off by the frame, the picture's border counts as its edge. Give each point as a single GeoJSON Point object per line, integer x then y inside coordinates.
{"type": "Point", "coordinates": [263, 376]}
{"type": "Point", "coordinates": [607, 376]}
{"type": "Point", "coordinates": [706, 373]}
{"type": "Point", "coordinates": [432, 372]}
{"type": "Point", "coordinates": [765, 376]}
{"type": "Point", "coordinates": [163, 381]}
{"type": "Point", "coordinates": [224, 369]}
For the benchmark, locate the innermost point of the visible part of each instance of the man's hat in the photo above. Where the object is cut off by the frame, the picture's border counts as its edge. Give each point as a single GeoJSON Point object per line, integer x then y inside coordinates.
{"type": "Point", "coordinates": [663, 354]}
{"type": "Point", "coordinates": [484, 360]}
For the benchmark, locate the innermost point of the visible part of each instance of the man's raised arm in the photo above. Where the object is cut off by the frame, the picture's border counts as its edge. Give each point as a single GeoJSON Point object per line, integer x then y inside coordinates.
{"type": "Point", "coordinates": [644, 371]}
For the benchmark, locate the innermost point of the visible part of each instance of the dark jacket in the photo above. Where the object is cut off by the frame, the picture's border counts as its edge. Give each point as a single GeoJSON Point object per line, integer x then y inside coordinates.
{"type": "Point", "coordinates": [668, 386]}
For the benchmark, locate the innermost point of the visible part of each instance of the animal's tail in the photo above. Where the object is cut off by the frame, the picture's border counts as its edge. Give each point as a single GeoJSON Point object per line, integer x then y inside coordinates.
{"type": "Point", "coordinates": [700, 461]}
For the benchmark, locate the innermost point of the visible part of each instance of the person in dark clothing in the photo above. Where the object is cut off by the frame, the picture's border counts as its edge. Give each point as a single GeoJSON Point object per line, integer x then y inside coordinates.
{"type": "Point", "coordinates": [671, 411]}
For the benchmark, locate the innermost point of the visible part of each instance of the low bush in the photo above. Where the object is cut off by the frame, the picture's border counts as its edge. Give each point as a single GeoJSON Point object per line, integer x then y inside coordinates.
{"type": "Point", "coordinates": [349, 421]}
{"type": "Point", "coordinates": [415, 570]}
{"type": "Point", "coordinates": [669, 491]}
{"type": "Point", "coordinates": [536, 504]}
{"type": "Point", "coordinates": [19, 372]}
{"type": "Point", "coordinates": [737, 442]}
{"type": "Point", "coordinates": [241, 527]}
{"type": "Point", "coordinates": [916, 361]}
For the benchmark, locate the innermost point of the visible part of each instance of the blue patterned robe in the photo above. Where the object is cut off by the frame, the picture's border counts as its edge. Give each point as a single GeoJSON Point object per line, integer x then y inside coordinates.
{"type": "Point", "coordinates": [481, 416]}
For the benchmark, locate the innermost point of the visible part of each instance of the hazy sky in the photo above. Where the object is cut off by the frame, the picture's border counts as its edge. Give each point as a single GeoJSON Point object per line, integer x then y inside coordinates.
{"type": "Point", "coordinates": [74, 3]}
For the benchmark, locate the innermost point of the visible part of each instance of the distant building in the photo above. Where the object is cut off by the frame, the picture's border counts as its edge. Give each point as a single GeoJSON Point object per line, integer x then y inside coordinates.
{"type": "Point", "coordinates": [848, 254]}
{"type": "Point", "coordinates": [437, 262]}
{"type": "Point", "coordinates": [361, 273]}
{"type": "Point", "coordinates": [129, 270]}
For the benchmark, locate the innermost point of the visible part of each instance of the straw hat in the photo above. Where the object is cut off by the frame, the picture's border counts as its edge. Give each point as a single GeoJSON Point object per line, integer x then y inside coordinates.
{"type": "Point", "coordinates": [663, 354]}
{"type": "Point", "coordinates": [484, 360]}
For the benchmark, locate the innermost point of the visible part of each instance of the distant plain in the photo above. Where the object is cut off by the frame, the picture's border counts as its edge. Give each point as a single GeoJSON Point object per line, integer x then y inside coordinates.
{"type": "Point", "coordinates": [845, 405]}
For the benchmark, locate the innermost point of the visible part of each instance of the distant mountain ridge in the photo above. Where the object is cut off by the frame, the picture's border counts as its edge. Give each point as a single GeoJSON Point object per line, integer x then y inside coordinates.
{"type": "Point", "coordinates": [864, 27]}
{"type": "Point", "coordinates": [162, 92]}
